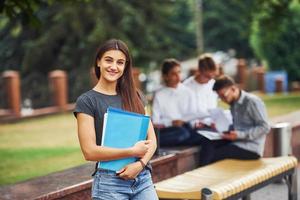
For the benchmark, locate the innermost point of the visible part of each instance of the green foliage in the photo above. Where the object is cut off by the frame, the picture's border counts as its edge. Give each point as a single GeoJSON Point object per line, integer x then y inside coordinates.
{"type": "Point", "coordinates": [226, 25]}
{"type": "Point", "coordinates": [21, 10]}
{"type": "Point", "coordinates": [69, 33]}
{"type": "Point", "coordinates": [276, 35]}
{"type": "Point", "coordinates": [42, 35]}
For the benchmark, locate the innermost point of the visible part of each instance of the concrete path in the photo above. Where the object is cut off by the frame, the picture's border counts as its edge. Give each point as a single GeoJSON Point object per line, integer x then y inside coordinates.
{"type": "Point", "coordinates": [274, 191]}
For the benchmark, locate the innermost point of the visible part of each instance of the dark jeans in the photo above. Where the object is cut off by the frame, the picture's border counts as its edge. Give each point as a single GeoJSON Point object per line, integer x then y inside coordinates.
{"type": "Point", "coordinates": [215, 150]}
{"type": "Point", "coordinates": [173, 136]}
{"type": "Point", "coordinates": [176, 136]}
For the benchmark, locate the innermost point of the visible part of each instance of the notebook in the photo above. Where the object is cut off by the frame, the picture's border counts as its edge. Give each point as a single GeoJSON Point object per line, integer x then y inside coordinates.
{"type": "Point", "coordinates": [223, 122]}
{"type": "Point", "coordinates": [210, 133]}
{"type": "Point", "coordinates": [122, 129]}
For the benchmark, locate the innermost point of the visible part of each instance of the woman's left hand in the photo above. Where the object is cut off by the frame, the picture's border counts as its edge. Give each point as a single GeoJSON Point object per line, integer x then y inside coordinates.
{"type": "Point", "coordinates": [130, 171]}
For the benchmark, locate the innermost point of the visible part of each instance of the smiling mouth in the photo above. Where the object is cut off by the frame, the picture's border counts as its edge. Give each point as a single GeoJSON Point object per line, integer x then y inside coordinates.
{"type": "Point", "coordinates": [112, 73]}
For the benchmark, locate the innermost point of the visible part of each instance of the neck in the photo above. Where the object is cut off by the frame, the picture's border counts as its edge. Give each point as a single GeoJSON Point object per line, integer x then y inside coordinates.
{"type": "Point", "coordinates": [106, 87]}
{"type": "Point", "coordinates": [198, 79]}
{"type": "Point", "coordinates": [172, 85]}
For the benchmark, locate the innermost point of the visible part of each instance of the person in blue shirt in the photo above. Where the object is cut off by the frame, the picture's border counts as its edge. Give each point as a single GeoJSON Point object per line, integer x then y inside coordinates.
{"type": "Point", "coordinates": [115, 87]}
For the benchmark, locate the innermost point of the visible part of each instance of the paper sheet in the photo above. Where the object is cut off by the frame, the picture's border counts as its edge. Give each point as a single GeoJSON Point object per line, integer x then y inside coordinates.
{"type": "Point", "coordinates": [221, 118]}
{"type": "Point", "coordinates": [210, 134]}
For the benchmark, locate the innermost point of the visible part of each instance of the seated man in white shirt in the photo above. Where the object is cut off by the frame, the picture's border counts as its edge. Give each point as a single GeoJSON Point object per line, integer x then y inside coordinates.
{"type": "Point", "coordinates": [201, 84]}
{"type": "Point", "coordinates": [171, 104]}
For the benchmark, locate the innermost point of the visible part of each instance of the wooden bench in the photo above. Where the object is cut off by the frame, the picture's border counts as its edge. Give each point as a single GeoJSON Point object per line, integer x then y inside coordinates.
{"type": "Point", "coordinates": [230, 179]}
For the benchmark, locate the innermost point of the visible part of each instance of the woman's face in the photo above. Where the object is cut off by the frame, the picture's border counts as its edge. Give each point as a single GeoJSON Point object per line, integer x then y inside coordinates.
{"type": "Point", "coordinates": [112, 65]}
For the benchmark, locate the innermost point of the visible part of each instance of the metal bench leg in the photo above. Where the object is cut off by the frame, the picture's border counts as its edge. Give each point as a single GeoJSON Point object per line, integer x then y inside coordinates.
{"type": "Point", "coordinates": [206, 194]}
{"type": "Point", "coordinates": [292, 185]}
{"type": "Point", "coordinates": [247, 197]}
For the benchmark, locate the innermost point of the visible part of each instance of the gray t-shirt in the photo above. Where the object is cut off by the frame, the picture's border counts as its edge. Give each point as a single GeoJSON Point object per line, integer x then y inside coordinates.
{"type": "Point", "coordinates": [95, 104]}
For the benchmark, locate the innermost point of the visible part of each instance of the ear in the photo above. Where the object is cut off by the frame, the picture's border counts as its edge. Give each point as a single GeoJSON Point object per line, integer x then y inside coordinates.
{"type": "Point", "coordinates": [98, 63]}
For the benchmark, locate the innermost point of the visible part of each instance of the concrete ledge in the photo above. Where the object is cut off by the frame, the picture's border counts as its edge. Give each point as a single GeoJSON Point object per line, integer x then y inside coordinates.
{"type": "Point", "coordinates": [41, 187]}
{"type": "Point", "coordinates": [6, 117]}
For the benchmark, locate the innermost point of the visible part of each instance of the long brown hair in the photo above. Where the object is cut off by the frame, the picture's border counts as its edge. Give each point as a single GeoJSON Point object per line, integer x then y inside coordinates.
{"type": "Point", "coordinates": [131, 100]}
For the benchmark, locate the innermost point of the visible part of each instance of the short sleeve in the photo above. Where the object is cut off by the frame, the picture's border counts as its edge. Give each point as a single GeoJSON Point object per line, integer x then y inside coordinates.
{"type": "Point", "coordinates": [84, 105]}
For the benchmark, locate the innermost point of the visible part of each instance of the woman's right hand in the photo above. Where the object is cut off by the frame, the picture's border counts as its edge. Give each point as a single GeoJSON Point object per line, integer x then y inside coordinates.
{"type": "Point", "coordinates": [140, 148]}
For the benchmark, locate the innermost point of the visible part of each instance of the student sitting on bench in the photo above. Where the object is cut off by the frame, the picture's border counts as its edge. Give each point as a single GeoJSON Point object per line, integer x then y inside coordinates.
{"type": "Point", "coordinates": [250, 126]}
{"type": "Point", "coordinates": [171, 104]}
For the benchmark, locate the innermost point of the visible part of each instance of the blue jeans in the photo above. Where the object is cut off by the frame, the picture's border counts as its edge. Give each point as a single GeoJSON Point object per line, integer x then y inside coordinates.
{"type": "Point", "coordinates": [107, 185]}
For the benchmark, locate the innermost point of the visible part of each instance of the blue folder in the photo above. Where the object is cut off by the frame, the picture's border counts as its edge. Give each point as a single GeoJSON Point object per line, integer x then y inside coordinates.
{"type": "Point", "coordinates": [122, 129]}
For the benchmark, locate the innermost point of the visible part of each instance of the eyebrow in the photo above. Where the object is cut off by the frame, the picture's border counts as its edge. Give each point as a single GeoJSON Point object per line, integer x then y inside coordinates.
{"type": "Point", "coordinates": [113, 58]}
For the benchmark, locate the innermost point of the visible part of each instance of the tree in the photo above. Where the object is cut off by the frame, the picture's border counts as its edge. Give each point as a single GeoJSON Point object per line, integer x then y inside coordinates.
{"type": "Point", "coordinates": [68, 34]}
{"type": "Point", "coordinates": [227, 26]}
{"type": "Point", "coordinates": [22, 10]}
{"type": "Point", "coordinates": [276, 34]}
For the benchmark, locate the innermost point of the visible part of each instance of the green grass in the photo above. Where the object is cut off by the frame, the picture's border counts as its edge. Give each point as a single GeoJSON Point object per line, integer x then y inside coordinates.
{"type": "Point", "coordinates": [22, 164]}
{"type": "Point", "coordinates": [280, 104]}
{"type": "Point", "coordinates": [40, 146]}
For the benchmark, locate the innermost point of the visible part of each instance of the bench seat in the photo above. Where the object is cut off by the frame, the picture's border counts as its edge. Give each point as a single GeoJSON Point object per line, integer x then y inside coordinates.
{"type": "Point", "coordinates": [229, 179]}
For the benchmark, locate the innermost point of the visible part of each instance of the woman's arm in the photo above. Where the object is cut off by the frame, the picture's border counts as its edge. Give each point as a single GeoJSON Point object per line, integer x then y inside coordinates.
{"type": "Point", "coordinates": [93, 152]}
{"type": "Point", "coordinates": [152, 145]}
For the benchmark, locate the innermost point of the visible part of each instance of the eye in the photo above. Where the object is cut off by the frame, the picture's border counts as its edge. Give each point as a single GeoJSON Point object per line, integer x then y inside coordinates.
{"type": "Point", "coordinates": [109, 60]}
{"type": "Point", "coordinates": [121, 62]}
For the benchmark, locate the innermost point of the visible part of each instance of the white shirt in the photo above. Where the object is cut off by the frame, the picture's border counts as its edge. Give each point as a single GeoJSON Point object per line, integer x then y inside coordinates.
{"type": "Point", "coordinates": [172, 104]}
{"type": "Point", "coordinates": [205, 97]}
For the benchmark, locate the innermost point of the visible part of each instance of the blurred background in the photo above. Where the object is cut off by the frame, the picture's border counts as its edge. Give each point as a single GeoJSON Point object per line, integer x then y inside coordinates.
{"type": "Point", "coordinates": [47, 48]}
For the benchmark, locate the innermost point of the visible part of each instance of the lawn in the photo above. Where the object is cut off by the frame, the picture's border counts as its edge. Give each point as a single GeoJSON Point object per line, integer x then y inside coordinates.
{"type": "Point", "coordinates": [37, 147]}
{"type": "Point", "coordinates": [40, 146]}
{"type": "Point", "coordinates": [280, 104]}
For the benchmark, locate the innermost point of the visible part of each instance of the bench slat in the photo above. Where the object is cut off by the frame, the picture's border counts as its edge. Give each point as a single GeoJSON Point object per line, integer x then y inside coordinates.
{"type": "Point", "coordinates": [224, 178]}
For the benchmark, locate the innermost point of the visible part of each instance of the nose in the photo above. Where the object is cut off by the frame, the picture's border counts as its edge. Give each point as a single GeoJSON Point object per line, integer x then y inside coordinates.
{"type": "Point", "coordinates": [113, 66]}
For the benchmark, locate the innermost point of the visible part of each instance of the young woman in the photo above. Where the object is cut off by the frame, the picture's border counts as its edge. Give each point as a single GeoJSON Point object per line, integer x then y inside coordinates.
{"type": "Point", "coordinates": [115, 87]}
